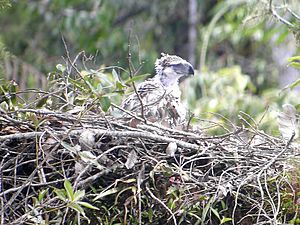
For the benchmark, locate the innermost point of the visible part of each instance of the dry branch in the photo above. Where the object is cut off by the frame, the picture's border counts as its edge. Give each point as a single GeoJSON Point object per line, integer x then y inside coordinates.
{"type": "Point", "coordinates": [94, 150]}
{"type": "Point", "coordinates": [42, 148]}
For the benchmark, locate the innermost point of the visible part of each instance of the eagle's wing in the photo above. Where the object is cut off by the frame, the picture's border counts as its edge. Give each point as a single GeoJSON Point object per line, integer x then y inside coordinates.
{"type": "Point", "coordinates": [150, 92]}
{"type": "Point", "coordinates": [158, 104]}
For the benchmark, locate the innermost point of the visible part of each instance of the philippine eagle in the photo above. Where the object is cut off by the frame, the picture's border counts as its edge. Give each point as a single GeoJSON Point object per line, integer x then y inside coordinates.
{"type": "Point", "coordinates": [160, 95]}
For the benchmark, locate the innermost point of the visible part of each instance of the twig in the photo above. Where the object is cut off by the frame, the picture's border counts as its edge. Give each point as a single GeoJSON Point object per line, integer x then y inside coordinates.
{"type": "Point", "coordinates": [69, 59]}
{"type": "Point", "coordinates": [96, 159]}
{"type": "Point", "coordinates": [277, 16]}
{"type": "Point", "coordinates": [293, 13]}
{"type": "Point", "coordinates": [163, 204]}
{"type": "Point", "coordinates": [1, 183]}
{"type": "Point", "coordinates": [198, 157]}
{"type": "Point", "coordinates": [92, 178]}
{"type": "Point", "coordinates": [27, 135]}
{"type": "Point", "coordinates": [145, 135]}
{"type": "Point", "coordinates": [267, 166]}
{"type": "Point", "coordinates": [65, 117]}
{"type": "Point", "coordinates": [131, 76]}
{"type": "Point", "coordinates": [140, 176]}
{"type": "Point", "coordinates": [133, 134]}
{"type": "Point", "coordinates": [127, 112]}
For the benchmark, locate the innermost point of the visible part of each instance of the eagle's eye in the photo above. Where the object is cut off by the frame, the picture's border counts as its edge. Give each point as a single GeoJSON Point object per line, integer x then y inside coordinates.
{"type": "Point", "coordinates": [183, 68]}
{"type": "Point", "coordinates": [176, 65]}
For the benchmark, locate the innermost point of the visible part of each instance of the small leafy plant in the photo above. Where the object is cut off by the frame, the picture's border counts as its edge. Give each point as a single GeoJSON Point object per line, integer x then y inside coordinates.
{"type": "Point", "coordinates": [72, 199]}
{"type": "Point", "coordinates": [294, 62]}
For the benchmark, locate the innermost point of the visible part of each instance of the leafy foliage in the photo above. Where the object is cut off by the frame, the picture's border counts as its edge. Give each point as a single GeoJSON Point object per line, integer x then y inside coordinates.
{"type": "Point", "coordinates": [236, 87]}
{"type": "Point", "coordinates": [227, 93]}
{"type": "Point", "coordinates": [163, 186]}
{"type": "Point", "coordinates": [295, 62]}
{"type": "Point", "coordinates": [4, 4]}
{"type": "Point", "coordinates": [241, 33]}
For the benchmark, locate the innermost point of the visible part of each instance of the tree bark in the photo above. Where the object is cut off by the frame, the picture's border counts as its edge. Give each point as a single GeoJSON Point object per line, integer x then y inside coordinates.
{"type": "Point", "coordinates": [192, 33]}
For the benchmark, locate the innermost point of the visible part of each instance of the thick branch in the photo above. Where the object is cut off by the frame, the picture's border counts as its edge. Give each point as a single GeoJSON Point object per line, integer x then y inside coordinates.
{"type": "Point", "coordinates": [128, 134]}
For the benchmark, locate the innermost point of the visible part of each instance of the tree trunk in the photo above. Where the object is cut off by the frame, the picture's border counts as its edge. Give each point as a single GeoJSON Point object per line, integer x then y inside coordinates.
{"type": "Point", "coordinates": [192, 35]}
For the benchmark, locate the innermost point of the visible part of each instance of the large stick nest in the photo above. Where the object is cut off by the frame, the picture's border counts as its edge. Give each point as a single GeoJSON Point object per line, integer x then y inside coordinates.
{"type": "Point", "coordinates": [74, 164]}
{"type": "Point", "coordinates": [132, 174]}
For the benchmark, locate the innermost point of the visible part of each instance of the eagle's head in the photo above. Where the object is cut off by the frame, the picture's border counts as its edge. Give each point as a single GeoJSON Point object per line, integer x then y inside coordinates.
{"type": "Point", "coordinates": [170, 68]}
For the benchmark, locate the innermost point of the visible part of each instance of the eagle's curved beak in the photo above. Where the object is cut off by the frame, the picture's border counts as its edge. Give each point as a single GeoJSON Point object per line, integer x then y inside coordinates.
{"type": "Point", "coordinates": [191, 70]}
{"type": "Point", "coordinates": [184, 69]}
{"type": "Point", "coordinates": [188, 68]}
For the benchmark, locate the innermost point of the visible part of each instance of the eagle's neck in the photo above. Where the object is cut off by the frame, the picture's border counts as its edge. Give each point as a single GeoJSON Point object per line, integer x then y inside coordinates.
{"type": "Point", "coordinates": [170, 84]}
{"type": "Point", "coordinates": [167, 80]}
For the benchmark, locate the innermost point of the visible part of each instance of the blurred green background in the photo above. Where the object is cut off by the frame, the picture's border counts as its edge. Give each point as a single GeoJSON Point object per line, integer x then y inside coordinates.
{"type": "Point", "coordinates": [240, 47]}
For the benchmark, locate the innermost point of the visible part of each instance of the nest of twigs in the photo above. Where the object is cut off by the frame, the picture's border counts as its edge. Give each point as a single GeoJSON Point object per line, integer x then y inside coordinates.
{"type": "Point", "coordinates": [143, 175]}
{"type": "Point", "coordinates": [77, 165]}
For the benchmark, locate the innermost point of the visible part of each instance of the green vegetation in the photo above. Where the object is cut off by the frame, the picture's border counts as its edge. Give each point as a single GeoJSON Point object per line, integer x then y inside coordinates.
{"type": "Point", "coordinates": [243, 170]}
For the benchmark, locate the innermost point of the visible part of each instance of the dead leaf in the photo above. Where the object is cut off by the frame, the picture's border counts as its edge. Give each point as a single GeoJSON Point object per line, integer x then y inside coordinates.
{"type": "Point", "coordinates": [171, 149]}
{"type": "Point", "coordinates": [132, 160]}
{"type": "Point", "coordinates": [87, 139]}
{"type": "Point", "coordinates": [287, 122]}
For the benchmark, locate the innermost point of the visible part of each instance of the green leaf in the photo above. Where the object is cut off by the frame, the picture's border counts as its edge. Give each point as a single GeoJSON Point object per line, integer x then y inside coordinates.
{"type": "Point", "coordinates": [294, 84]}
{"type": "Point", "coordinates": [206, 209]}
{"type": "Point", "coordinates": [119, 85]}
{"type": "Point", "coordinates": [127, 181]}
{"type": "Point", "coordinates": [42, 194]}
{"type": "Point", "coordinates": [105, 103]}
{"type": "Point", "coordinates": [137, 78]}
{"type": "Point", "coordinates": [194, 215]}
{"type": "Point", "coordinates": [297, 107]}
{"type": "Point", "coordinates": [69, 190]}
{"type": "Point", "coordinates": [77, 208]}
{"type": "Point", "coordinates": [33, 117]}
{"type": "Point", "coordinates": [133, 189]}
{"type": "Point", "coordinates": [281, 36]}
{"type": "Point", "coordinates": [73, 149]}
{"type": "Point", "coordinates": [115, 75]}
{"type": "Point", "coordinates": [294, 58]}
{"type": "Point", "coordinates": [78, 84]}
{"type": "Point", "coordinates": [14, 87]}
{"type": "Point", "coordinates": [295, 65]}
{"type": "Point", "coordinates": [90, 86]}
{"type": "Point", "coordinates": [42, 102]}
{"type": "Point", "coordinates": [216, 213]}
{"type": "Point", "coordinates": [171, 203]}
{"type": "Point", "coordinates": [104, 79]}
{"type": "Point", "coordinates": [4, 106]}
{"type": "Point", "coordinates": [88, 205]}
{"type": "Point", "coordinates": [105, 193]}
{"type": "Point", "coordinates": [79, 194]}
{"type": "Point", "coordinates": [61, 194]}
{"type": "Point", "coordinates": [5, 4]}
{"type": "Point", "coordinates": [35, 201]}
{"type": "Point", "coordinates": [223, 204]}
{"type": "Point", "coordinates": [225, 219]}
